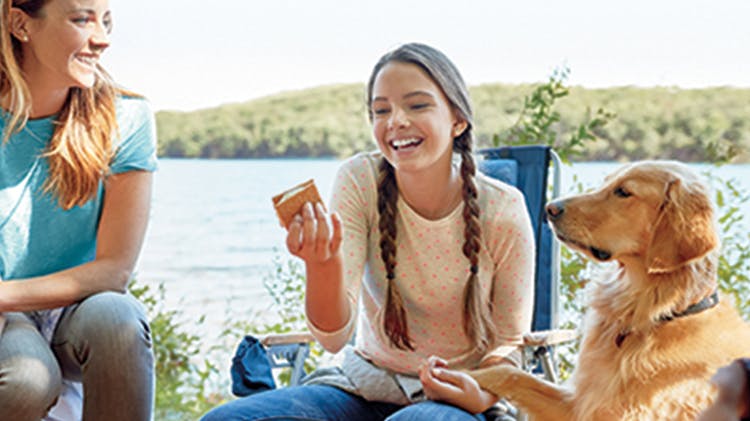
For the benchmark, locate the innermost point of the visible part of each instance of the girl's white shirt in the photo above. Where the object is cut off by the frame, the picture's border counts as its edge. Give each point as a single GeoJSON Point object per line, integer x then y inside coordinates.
{"type": "Point", "coordinates": [431, 271]}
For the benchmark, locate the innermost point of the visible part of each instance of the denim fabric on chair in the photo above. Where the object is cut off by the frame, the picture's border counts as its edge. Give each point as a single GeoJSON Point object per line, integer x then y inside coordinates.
{"type": "Point", "coordinates": [251, 370]}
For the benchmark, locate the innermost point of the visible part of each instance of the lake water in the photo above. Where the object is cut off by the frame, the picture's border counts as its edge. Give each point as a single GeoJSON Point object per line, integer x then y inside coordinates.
{"type": "Point", "coordinates": [213, 233]}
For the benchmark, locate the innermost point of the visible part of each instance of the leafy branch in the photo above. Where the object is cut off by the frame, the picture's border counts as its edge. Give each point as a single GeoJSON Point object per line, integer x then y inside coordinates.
{"type": "Point", "coordinates": [538, 120]}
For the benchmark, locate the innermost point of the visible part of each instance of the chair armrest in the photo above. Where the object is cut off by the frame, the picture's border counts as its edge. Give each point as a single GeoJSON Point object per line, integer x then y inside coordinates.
{"type": "Point", "coordinates": [287, 338]}
{"type": "Point", "coordinates": [550, 337]}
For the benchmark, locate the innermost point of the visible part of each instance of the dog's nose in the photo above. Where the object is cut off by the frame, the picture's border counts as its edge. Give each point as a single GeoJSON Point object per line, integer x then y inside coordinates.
{"type": "Point", "coordinates": [554, 210]}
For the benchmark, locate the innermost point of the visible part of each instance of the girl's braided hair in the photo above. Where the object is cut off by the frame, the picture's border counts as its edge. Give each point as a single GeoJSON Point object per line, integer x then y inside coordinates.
{"type": "Point", "coordinates": [477, 315]}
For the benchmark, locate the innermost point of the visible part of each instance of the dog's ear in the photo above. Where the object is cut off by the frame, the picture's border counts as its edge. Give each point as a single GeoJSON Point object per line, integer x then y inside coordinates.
{"type": "Point", "coordinates": [684, 230]}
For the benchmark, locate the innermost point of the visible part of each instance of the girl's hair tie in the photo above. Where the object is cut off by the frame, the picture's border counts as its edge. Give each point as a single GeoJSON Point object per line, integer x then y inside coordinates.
{"type": "Point", "coordinates": [474, 269]}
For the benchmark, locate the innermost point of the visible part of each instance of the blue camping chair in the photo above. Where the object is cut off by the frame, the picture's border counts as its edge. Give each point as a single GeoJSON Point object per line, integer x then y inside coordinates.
{"type": "Point", "coordinates": [527, 168]}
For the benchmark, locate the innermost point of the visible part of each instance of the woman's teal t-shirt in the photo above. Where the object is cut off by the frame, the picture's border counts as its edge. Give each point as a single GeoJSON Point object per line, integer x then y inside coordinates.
{"type": "Point", "coordinates": [37, 236]}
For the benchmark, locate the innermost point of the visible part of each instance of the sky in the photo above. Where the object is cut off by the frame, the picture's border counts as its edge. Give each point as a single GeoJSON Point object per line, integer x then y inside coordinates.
{"type": "Point", "coordinates": [190, 54]}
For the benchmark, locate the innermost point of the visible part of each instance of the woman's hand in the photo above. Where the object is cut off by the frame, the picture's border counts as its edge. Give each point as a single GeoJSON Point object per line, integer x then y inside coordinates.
{"type": "Point", "coordinates": [454, 387]}
{"type": "Point", "coordinates": [311, 237]}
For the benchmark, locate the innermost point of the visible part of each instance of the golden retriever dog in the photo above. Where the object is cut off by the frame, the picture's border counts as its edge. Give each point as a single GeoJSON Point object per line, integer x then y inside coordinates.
{"type": "Point", "coordinates": [655, 329]}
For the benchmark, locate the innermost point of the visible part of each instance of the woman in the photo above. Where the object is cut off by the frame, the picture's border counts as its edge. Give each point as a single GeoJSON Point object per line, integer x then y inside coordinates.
{"type": "Point", "coordinates": [440, 257]}
{"type": "Point", "coordinates": [75, 183]}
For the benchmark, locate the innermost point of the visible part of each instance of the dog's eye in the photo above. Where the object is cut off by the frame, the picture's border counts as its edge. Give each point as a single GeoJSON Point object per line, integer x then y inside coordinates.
{"type": "Point", "coordinates": [620, 192]}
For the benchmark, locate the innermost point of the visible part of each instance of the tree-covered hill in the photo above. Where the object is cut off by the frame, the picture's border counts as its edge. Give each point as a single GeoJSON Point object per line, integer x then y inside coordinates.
{"type": "Point", "coordinates": [331, 121]}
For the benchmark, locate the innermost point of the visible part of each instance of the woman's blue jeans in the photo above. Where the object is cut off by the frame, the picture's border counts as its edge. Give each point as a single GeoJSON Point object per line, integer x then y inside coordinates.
{"type": "Point", "coordinates": [103, 341]}
{"type": "Point", "coordinates": [315, 403]}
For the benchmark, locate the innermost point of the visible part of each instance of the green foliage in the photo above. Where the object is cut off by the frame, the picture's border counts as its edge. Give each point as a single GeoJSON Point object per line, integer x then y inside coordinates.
{"type": "Point", "coordinates": [538, 121]}
{"type": "Point", "coordinates": [286, 286]}
{"type": "Point", "coordinates": [183, 388]}
{"type": "Point", "coordinates": [187, 383]}
{"type": "Point", "coordinates": [318, 122]}
{"type": "Point", "coordinates": [692, 125]}
{"type": "Point", "coordinates": [574, 276]}
{"type": "Point", "coordinates": [734, 260]}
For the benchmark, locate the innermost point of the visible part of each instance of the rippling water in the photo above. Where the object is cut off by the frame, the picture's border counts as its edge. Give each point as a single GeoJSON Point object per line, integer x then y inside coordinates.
{"type": "Point", "coordinates": [213, 233]}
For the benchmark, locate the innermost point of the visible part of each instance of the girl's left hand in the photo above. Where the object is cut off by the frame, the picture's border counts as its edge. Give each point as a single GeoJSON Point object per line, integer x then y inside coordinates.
{"type": "Point", "coordinates": [454, 387]}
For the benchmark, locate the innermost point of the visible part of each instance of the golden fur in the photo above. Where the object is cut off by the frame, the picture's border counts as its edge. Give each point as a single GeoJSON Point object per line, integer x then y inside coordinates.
{"type": "Point", "coordinates": [655, 219]}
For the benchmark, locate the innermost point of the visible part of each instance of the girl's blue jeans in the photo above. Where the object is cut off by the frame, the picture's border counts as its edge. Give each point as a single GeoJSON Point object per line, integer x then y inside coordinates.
{"type": "Point", "coordinates": [317, 402]}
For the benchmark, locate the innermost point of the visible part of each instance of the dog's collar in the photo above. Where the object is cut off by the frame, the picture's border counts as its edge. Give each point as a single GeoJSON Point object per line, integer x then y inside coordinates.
{"type": "Point", "coordinates": [704, 304]}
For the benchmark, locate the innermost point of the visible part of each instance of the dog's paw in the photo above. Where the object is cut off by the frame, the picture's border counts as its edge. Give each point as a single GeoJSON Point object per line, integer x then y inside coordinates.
{"type": "Point", "coordinates": [497, 379]}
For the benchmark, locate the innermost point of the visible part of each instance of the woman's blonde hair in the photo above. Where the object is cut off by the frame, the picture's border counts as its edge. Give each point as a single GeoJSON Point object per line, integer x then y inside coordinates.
{"type": "Point", "coordinates": [477, 321]}
{"type": "Point", "coordinates": [81, 148]}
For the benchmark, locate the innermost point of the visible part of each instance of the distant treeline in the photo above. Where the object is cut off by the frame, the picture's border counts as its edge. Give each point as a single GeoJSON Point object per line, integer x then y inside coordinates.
{"type": "Point", "coordinates": [330, 121]}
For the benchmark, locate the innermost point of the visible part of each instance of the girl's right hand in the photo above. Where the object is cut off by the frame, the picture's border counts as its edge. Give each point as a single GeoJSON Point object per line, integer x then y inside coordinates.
{"type": "Point", "coordinates": [311, 237]}
{"type": "Point", "coordinates": [457, 388]}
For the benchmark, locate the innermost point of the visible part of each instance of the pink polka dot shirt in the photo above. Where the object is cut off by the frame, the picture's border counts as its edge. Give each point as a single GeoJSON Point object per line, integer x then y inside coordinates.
{"type": "Point", "coordinates": [431, 270]}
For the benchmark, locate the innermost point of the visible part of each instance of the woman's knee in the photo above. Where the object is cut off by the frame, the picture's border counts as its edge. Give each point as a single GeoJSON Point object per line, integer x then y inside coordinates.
{"type": "Point", "coordinates": [28, 388]}
{"type": "Point", "coordinates": [102, 329]}
{"type": "Point", "coordinates": [30, 378]}
{"type": "Point", "coordinates": [107, 320]}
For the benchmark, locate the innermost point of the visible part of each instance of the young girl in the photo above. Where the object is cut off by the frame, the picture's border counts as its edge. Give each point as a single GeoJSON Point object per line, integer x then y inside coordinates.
{"type": "Point", "coordinates": [436, 257]}
{"type": "Point", "coordinates": [76, 157]}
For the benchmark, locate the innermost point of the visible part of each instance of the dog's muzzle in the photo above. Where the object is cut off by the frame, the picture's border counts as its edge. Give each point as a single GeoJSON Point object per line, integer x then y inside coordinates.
{"type": "Point", "coordinates": [555, 211]}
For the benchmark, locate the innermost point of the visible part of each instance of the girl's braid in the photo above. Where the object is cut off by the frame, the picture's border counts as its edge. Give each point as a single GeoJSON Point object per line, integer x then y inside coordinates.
{"type": "Point", "coordinates": [394, 322]}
